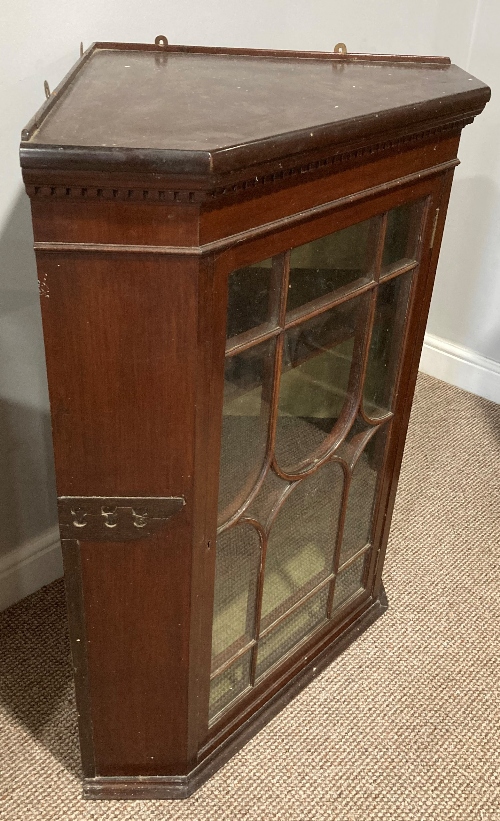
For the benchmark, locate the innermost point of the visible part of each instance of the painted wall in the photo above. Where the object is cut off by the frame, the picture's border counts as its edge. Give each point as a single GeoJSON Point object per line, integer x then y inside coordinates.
{"type": "Point", "coordinates": [465, 311]}
{"type": "Point", "coordinates": [40, 40]}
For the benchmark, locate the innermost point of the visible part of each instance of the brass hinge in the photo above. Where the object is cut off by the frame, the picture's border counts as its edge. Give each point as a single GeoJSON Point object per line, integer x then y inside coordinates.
{"type": "Point", "coordinates": [114, 518]}
{"type": "Point", "coordinates": [434, 227]}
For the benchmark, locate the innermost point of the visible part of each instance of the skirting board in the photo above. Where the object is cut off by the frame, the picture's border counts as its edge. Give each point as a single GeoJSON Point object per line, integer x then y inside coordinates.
{"type": "Point", "coordinates": [461, 367]}
{"type": "Point", "coordinates": [32, 565]}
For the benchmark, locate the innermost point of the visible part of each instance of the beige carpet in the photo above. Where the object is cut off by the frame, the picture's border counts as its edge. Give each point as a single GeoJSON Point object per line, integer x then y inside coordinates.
{"type": "Point", "coordinates": [404, 725]}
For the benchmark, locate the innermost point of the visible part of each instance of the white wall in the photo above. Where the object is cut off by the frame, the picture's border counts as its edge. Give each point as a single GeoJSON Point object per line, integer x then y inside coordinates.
{"type": "Point", "coordinates": [465, 311]}
{"type": "Point", "coordinates": [40, 40]}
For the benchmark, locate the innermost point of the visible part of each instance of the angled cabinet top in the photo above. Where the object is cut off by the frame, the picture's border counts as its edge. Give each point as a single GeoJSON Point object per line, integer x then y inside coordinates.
{"type": "Point", "coordinates": [197, 111]}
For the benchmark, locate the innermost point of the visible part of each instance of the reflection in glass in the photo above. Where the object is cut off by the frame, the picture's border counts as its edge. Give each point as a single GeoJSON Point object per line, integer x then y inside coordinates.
{"type": "Point", "coordinates": [247, 392]}
{"type": "Point", "coordinates": [402, 234]}
{"type": "Point", "coordinates": [252, 300]}
{"type": "Point", "coordinates": [386, 343]}
{"type": "Point", "coordinates": [302, 541]}
{"type": "Point", "coordinates": [361, 498]}
{"type": "Point", "coordinates": [237, 564]}
{"type": "Point", "coordinates": [349, 582]}
{"type": "Point", "coordinates": [318, 357]}
{"type": "Point", "coordinates": [293, 629]}
{"type": "Point", "coordinates": [331, 262]}
{"type": "Point", "coordinates": [229, 685]}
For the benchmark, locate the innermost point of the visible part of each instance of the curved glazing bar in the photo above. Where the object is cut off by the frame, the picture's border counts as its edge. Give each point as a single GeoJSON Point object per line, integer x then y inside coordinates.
{"type": "Point", "coordinates": [301, 541]}
{"type": "Point", "coordinates": [321, 367]}
{"type": "Point", "coordinates": [248, 378]}
{"type": "Point", "coordinates": [362, 494]}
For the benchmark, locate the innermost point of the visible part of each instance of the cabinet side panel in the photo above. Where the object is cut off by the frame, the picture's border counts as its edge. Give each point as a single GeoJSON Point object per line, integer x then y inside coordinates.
{"type": "Point", "coordinates": [121, 346]}
{"type": "Point", "coordinates": [72, 220]}
{"type": "Point", "coordinates": [137, 598]}
{"type": "Point", "coordinates": [120, 341]}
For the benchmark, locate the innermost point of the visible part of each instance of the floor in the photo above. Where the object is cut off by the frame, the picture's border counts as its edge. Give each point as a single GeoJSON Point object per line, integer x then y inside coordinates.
{"type": "Point", "coordinates": [404, 725]}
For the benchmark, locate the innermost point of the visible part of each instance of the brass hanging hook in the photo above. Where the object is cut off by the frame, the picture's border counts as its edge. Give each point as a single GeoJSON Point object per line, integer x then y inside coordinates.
{"type": "Point", "coordinates": [81, 49]}
{"type": "Point", "coordinates": [46, 89]}
{"type": "Point", "coordinates": [340, 48]}
{"type": "Point", "coordinates": [161, 40]}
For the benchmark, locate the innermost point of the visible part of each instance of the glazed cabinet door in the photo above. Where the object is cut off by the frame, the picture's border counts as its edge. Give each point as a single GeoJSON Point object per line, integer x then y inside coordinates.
{"type": "Point", "coordinates": [316, 337]}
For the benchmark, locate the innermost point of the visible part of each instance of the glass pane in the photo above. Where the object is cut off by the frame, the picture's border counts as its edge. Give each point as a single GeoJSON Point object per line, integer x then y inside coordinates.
{"type": "Point", "coordinates": [318, 357]}
{"type": "Point", "coordinates": [251, 297]}
{"type": "Point", "coordinates": [302, 541]}
{"type": "Point", "coordinates": [229, 685]}
{"type": "Point", "coordinates": [332, 262]}
{"type": "Point", "coordinates": [386, 343]}
{"type": "Point", "coordinates": [237, 566]}
{"type": "Point", "coordinates": [362, 492]}
{"type": "Point", "coordinates": [291, 631]}
{"type": "Point", "coordinates": [247, 391]}
{"type": "Point", "coordinates": [401, 239]}
{"type": "Point", "coordinates": [349, 582]}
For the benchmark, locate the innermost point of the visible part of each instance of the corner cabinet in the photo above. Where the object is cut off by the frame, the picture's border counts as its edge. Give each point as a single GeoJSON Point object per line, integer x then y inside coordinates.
{"type": "Point", "coordinates": [236, 251]}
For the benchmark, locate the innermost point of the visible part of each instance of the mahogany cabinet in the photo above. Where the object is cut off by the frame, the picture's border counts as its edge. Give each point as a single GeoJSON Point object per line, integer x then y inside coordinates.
{"type": "Point", "coordinates": [236, 252]}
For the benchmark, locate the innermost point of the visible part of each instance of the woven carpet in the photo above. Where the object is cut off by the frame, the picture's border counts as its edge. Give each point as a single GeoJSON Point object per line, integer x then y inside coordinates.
{"type": "Point", "coordinates": [404, 725]}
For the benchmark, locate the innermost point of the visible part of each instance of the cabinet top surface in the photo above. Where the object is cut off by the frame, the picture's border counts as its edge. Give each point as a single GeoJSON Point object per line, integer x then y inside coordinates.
{"type": "Point", "coordinates": [189, 109]}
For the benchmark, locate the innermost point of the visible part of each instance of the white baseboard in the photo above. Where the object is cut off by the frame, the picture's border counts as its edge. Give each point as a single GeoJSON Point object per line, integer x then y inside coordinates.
{"type": "Point", "coordinates": [27, 568]}
{"type": "Point", "coordinates": [461, 367]}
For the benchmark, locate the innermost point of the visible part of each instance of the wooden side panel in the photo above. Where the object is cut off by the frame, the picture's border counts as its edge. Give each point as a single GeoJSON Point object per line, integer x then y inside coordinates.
{"type": "Point", "coordinates": [137, 598]}
{"type": "Point", "coordinates": [79, 218]}
{"type": "Point", "coordinates": [76, 617]}
{"type": "Point", "coordinates": [120, 339]}
{"type": "Point", "coordinates": [121, 346]}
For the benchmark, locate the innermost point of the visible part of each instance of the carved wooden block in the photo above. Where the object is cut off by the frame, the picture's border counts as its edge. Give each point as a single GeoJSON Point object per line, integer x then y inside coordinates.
{"type": "Point", "coordinates": [114, 519]}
